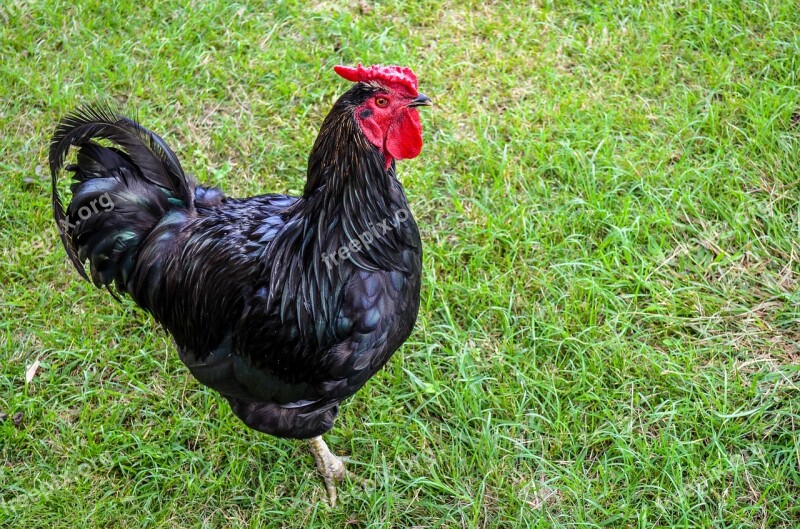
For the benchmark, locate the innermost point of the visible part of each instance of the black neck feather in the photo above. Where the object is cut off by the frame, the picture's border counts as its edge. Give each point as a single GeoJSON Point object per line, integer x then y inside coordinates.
{"type": "Point", "coordinates": [349, 196]}
{"type": "Point", "coordinates": [349, 191]}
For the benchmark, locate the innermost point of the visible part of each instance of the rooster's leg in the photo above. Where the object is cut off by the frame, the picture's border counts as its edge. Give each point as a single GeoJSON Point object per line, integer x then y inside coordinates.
{"type": "Point", "coordinates": [330, 466]}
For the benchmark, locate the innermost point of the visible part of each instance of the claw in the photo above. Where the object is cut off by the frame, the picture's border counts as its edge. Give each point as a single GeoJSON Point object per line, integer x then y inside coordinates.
{"type": "Point", "coordinates": [330, 466]}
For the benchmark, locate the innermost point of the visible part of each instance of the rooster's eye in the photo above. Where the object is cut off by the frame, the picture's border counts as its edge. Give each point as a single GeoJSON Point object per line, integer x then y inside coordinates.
{"type": "Point", "coordinates": [381, 101]}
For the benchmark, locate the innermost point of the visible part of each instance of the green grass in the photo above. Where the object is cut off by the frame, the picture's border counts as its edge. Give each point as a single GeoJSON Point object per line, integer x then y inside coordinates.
{"type": "Point", "coordinates": [609, 332]}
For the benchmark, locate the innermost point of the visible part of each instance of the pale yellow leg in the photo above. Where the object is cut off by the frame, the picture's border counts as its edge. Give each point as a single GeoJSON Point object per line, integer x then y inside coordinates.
{"type": "Point", "coordinates": [330, 466]}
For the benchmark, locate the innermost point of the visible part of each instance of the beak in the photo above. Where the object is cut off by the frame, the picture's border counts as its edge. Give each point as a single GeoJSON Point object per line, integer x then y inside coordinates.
{"type": "Point", "coordinates": [421, 101]}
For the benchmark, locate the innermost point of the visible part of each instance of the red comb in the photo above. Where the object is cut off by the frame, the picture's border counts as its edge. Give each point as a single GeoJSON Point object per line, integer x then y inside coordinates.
{"type": "Point", "coordinates": [394, 77]}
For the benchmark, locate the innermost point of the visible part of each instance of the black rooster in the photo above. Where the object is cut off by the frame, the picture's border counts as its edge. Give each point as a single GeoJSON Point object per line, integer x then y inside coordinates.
{"type": "Point", "coordinates": [284, 305]}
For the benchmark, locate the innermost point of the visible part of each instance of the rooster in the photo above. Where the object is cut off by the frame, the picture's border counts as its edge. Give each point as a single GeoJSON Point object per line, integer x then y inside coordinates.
{"type": "Point", "coordinates": [284, 305]}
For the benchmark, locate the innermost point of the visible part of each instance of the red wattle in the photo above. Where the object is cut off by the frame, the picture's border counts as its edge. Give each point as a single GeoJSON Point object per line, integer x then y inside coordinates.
{"type": "Point", "coordinates": [404, 137]}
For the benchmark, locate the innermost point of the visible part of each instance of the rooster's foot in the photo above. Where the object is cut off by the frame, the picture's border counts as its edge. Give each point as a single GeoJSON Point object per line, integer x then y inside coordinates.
{"type": "Point", "coordinates": [330, 466]}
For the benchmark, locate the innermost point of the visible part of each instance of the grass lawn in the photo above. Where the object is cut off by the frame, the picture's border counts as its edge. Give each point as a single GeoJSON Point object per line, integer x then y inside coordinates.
{"type": "Point", "coordinates": [608, 197]}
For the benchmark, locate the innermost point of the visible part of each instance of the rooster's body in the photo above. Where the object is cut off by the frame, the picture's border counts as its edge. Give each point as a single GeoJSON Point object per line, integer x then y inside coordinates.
{"type": "Point", "coordinates": [269, 299]}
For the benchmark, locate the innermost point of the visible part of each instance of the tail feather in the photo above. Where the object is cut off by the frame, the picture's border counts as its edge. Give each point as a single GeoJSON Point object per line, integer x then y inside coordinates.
{"type": "Point", "coordinates": [119, 194]}
{"type": "Point", "coordinates": [147, 151]}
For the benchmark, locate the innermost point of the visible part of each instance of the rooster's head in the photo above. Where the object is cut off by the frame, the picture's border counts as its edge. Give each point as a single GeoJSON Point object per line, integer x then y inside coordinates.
{"type": "Point", "coordinates": [384, 103]}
